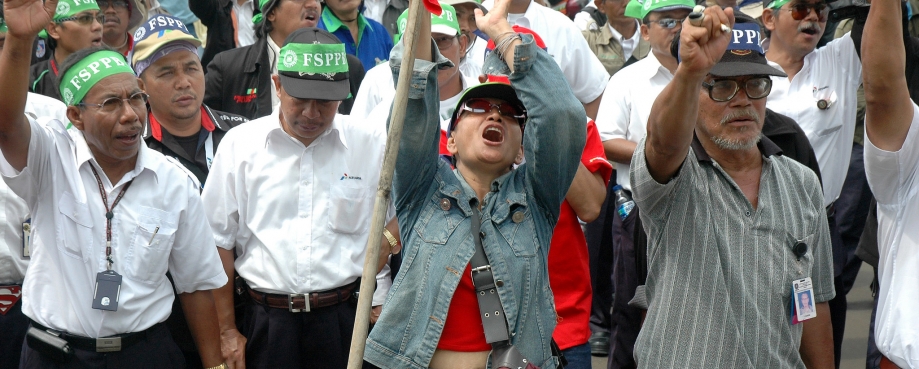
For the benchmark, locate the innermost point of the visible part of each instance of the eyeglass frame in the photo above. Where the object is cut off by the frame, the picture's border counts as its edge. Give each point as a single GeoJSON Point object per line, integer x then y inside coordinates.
{"type": "Point", "coordinates": [99, 18]}
{"type": "Point", "coordinates": [101, 106]}
{"type": "Point", "coordinates": [438, 40]}
{"type": "Point", "coordinates": [521, 119]}
{"type": "Point", "coordinates": [822, 15]}
{"type": "Point", "coordinates": [127, 4]}
{"type": "Point", "coordinates": [737, 88]}
{"type": "Point", "coordinates": [660, 22]}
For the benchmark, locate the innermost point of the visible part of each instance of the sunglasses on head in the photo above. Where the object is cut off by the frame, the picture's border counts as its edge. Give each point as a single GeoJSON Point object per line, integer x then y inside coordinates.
{"type": "Point", "coordinates": [481, 106]}
{"type": "Point", "coordinates": [800, 11]}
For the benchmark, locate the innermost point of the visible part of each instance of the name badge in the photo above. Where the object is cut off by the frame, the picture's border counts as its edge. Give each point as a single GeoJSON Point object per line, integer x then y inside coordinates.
{"type": "Point", "coordinates": [26, 238]}
{"type": "Point", "coordinates": [803, 306]}
{"type": "Point", "coordinates": [108, 291]}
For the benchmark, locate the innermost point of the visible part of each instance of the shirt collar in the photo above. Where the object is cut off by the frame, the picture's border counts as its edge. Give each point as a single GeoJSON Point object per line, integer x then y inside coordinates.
{"type": "Point", "coordinates": [154, 129]}
{"type": "Point", "coordinates": [83, 155]}
{"type": "Point", "coordinates": [334, 131]}
{"type": "Point", "coordinates": [651, 67]}
{"type": "Point", "coordinates": [332, 23]}
{"type": "Point", "coordinates": [765, 146]}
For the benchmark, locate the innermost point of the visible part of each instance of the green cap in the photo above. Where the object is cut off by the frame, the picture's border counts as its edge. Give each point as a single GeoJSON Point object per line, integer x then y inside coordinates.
{"type": "Point", "coordinates": [446, 23]}
{"type": "Point", "coordinates": [777, 4]}
{"type": "Point", "coordinates": [634, 9]}
{"type": "Point", "coordinates": [2, 25]}
{"type": "Point", "coordinates": [67, 8]}
{"type": "Point", "coordinates": [86, 73]}
{"type": "Point", "coordinates": [665, 5]}
{"type": "Point", "coordinates": [256, 19]}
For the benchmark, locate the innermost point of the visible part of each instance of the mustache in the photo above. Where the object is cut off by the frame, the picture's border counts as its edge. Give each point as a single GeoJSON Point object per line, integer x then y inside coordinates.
{"type": "Point", "coordinates": [745, 113]}
{"type": "Point", "coordinates": [809, 25]}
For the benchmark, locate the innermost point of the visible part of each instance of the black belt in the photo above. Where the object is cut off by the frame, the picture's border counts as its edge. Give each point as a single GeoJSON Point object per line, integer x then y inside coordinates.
{"type": "Point", "coordinates": [114, 343]}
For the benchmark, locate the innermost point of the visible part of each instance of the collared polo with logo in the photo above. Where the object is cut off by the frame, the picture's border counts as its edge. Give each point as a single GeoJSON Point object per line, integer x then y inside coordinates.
{"type": "Point", "coordinates": [373, 42]}
{"type": "Point", "coordinates": [720, 271]}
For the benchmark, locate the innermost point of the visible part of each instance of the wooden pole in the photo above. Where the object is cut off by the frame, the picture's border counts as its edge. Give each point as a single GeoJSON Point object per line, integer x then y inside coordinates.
{"type": "Point", "coordinates": [384, 188]}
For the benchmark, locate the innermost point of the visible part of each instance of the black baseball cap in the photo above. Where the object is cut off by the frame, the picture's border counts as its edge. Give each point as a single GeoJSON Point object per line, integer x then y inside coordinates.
{"type": "Point", "coordinates": [313, 65]}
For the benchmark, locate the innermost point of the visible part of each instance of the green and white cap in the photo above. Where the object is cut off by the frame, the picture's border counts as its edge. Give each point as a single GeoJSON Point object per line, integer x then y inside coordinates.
{"type": "Point", "coordinates": [68, 8]}
{"type": "Point", "coordinates": [634, 9]}
{"type": "Point", "coordinates": [446, 23]}
{"type": "Point", "coordinates": [775, 4]}
{"type": "Point", "coordinates": [82, 76]}
{"type": "Point", "coordinates": [314, 65]}
{"type": "Point", "coordinates": [2, 24]}
{"type": "Point", "coordinates": [665, 5]}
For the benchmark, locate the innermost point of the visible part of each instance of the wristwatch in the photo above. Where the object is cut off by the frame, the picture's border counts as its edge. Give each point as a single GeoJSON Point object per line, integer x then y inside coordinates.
{"type": "Point", "coordinates": [221, 366]}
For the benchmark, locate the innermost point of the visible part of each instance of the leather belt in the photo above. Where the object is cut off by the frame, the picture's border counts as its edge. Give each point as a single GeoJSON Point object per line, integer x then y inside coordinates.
{"type": "Point", "coordinates": [304, 302]}
{"type": "Point", "coordinates": [104, 344]}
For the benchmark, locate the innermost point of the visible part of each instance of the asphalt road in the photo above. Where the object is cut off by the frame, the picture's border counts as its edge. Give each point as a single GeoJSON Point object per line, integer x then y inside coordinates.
{"type": "Point", "coordinates": [855, 344]}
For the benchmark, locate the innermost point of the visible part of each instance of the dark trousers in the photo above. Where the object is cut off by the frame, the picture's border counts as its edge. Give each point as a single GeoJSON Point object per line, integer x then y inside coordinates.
{"type": "Point", "coordinates": [278, 338]}
{"type": "Point", "coordinates": [13, 328]}
{"type": "Point", "coordinates": [599, 235]}
{"type": "Point", "coordinates": [626, 320]}
{"type": "Point", "coordinates": [158, 350]}
{"type": "Point", "coordinates": [845, 231]}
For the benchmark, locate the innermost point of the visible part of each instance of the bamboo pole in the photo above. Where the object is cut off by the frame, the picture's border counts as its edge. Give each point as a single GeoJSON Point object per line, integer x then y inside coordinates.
{"type": "Point", "coordinates": [384, 188]}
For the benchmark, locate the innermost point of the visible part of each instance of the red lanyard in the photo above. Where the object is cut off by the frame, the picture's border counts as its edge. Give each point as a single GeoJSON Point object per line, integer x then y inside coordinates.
{"type": "Point", "coordinates": [108, 214]}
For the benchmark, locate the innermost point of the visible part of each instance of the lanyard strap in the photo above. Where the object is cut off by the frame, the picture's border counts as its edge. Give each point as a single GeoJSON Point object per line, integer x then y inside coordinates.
{"type": "Point", "coordinates": [209, 150]}
{"type": "Point", "coordinates": [108, 213]}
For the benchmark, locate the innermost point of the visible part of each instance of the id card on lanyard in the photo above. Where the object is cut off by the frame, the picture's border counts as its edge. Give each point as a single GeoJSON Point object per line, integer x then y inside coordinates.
{"type": "Point", "coordinates": [26, 238]}
{"type": "Point", "coordinates": [209, 150]}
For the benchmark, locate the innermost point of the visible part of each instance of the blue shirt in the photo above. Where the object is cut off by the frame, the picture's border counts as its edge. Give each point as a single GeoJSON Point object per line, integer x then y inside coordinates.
{"type": "Point", "coordinates": [373, 41]}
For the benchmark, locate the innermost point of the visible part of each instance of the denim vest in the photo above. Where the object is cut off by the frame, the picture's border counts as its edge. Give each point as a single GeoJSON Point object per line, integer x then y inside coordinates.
{"type": "Point", "coordinates": [433, 205]}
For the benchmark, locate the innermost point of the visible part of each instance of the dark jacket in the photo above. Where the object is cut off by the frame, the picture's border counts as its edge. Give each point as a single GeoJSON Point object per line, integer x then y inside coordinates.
{"type": "Point", "coordinates": [43, 79]}
{"type": "Point", "coordinates": [238, 81]}
{"type": "Point", "coordinates": [197, 165]}
{"type": "Point", "coordinates": [788, 136]}
{"type": "Point", "coordinates": [217, 16]}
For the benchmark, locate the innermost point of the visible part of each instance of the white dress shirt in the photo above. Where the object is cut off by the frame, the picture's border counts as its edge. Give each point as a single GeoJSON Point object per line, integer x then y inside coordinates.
{"type": "Point", "coordinates": [626, 106]}
{"type": "Point", "coordinates": [274, 53]}
{"type": "Point", "coordinates": [471, 66]}
{"type": "Point", "coordinates": [297, 216]}
{"type": "Point", "coordinates": [894, 179]}
{"type": "Point", "coordinates": [245, 30]}
{"type": "Point", "coordinates": [374, 9]}
{"type": "Point", "coordinates": [13, 209]}
{"type": "Point", "coordinates": [834, 72]}
{"type": "Point", "coordinates": [628, 45]}
{"type": "Point", "coordinates": [564, 42]}
{"type": "Point", "coordinates": [584, 21]}
{"type": "Point", "coordinates": [377, 92]}
{"type": "Point", "coordinates": [159, 225]}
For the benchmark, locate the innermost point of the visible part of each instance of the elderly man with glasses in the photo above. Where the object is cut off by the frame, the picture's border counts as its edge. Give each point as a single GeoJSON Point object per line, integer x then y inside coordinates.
{"type": "Point", "coordinates": [77, 24]}
{"type": "Point", "coordinates": [735, 229]}
{"type": "Point", "coordinates": [109, 216]}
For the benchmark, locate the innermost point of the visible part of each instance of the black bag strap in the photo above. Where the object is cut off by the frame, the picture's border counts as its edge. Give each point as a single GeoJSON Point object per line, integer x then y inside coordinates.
{"type": "Point", "coordinates": [486, 293]}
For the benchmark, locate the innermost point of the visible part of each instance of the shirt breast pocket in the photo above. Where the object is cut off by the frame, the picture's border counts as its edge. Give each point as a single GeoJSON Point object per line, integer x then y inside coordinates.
{"type": "Point", "coordinates": [77, 232]}
{"type": "Point", "coordinates": [348, 212]}
{"type": "Point", "coordinates": [154, 235]}
{"type": "Point", "coordinates": [439, 219]}
{"type": "Point", "coordinates": [517, 229]}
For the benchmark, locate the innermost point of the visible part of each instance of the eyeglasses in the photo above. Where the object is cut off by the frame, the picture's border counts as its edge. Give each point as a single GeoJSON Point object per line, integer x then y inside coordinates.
{"type": "Point", "coordinates": [445, 42]}
{"type": "Point", "coordinates": [480, 106]}
{"type": "Point", "coordinates": [114, 104]}
{"type": "Point", "coordinates": [725, 89]}
{"type": "Point", "coordinates": [104, 4]}
{"type": "Point", "coordinates": [668, 23]}
{"type": "Point", "coordinates": [84, 19]}
{"type": "Point", "coordinates": [800, 11]}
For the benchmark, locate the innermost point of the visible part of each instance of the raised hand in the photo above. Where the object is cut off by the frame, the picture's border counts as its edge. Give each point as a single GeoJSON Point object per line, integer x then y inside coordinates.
{"type": "Point", "coordinates": [495, 22]}
{"type": "Point", "coordinates": [25, 18]}
{"type": "Point", "coordinates": [702, 46]}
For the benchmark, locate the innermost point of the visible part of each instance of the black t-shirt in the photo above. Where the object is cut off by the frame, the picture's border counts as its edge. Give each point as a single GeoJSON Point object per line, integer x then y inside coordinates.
{"type": "Point", "coordinates": [189, 144]}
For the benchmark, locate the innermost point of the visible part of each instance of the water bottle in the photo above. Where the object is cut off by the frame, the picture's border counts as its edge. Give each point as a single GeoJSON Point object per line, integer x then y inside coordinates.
{"type": "Point", "coordinates": [624, 203]}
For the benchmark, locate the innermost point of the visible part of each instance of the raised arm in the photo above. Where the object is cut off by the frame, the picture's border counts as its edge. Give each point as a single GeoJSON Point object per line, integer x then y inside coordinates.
{"type": "Point", "coordinates": [24, 18]}
{"type": "Point", "coordinates": [206, 10]}
{"type": "Point", "coordinates": [889, 110]}
{"type": "Point", "coordinates": [674, 113]}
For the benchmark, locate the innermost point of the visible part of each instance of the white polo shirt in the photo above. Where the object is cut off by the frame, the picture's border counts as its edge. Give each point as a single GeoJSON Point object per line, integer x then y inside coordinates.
{"type": "Point", "coordinates": [832, 72]}
{"type": "Point", "coordinates": [564, 42]}
{"type": "Point", "coordinates": [626, 105]}
{"type": "Point", "coordinates": [297, 216]}
{"type": "Point", "coordinates": [894, 179]}
{"type": "Point", "coordinates": [158, 226]}
{"type": "Point", "coordinates": [13, 209]}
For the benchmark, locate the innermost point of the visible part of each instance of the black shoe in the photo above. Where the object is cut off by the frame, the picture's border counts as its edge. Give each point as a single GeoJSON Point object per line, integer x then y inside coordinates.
{"type": "Point", "coordinates": [599, 344]}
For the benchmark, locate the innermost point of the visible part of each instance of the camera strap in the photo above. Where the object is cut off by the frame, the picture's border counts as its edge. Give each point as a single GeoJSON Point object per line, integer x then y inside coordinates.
{"type": "Point", "coordinates": [503, 353]}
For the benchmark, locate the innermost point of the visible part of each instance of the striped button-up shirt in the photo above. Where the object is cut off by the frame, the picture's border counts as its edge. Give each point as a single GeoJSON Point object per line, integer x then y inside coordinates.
{"type": "Point", "coordinates": [720, 270]}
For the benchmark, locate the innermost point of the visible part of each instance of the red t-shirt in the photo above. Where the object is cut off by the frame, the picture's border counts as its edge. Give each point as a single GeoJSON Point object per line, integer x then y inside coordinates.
{"type": "Point", "coordinates": [569, 276]}
{"type": "Point", "coordinates": [569, 267]}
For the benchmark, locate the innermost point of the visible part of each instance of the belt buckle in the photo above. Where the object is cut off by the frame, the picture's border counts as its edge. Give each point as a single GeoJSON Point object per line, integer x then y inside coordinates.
{"type": "Point", "coordinates": [306, 302]}
{"type": "Point", "coordinates": [108, 344]}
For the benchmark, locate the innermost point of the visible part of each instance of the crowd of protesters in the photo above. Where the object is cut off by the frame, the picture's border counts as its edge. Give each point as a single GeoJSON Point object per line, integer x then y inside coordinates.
{"type": "Point", "coordinates": [664, 183]}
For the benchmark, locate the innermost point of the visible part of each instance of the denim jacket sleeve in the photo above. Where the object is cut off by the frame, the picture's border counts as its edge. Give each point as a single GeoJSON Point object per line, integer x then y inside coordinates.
{"type": "Point", "coordinates": [418, 146]}
{"type": "Point", "coordinates": [555, 130]}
